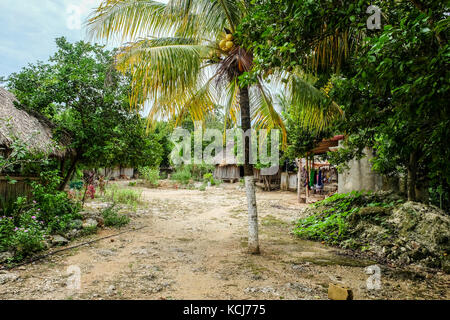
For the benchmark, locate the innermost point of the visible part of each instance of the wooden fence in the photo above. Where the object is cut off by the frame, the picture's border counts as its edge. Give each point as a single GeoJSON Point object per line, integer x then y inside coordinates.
{"type": "Point", "coordinates": [10, 192]}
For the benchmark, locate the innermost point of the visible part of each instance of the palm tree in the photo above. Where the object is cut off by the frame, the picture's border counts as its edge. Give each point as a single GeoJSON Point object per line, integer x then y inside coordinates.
{"type": "Point", "coordinates": [179, 55]}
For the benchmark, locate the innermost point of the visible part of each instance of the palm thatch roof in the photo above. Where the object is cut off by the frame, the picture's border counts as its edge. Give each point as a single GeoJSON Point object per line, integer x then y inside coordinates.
{"type": "Point", "coordinates": [32, 129]}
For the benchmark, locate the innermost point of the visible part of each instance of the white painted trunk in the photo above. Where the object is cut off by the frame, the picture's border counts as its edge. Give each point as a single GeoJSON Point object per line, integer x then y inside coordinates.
{"type": "Point", "coordinates": [253, 241]}
{"type": "Point", "coordinates": [299, 180]}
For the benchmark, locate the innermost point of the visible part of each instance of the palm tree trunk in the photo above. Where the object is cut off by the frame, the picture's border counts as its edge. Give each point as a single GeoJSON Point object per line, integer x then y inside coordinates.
{"type": "Point", "coordinates": [253, 240]}
{"type": "Point", "coordinates": [299, 180]}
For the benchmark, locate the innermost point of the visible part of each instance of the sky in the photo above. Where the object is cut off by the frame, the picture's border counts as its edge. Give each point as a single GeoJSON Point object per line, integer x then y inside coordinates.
{"type": "Point", "coordinates": [28, 29]}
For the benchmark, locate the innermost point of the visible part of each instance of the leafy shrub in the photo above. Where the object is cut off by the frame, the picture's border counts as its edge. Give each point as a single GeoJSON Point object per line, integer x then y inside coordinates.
{"type": "Point", "coordinates": [30, 220]}
{"type": "Point", "coordinates": [182, 175]}
{"type": "Point", "coordinates": [208, 177]}
{"type": "Point", "coordinates": [337, 215]}
{"type": "Point", "coordinates": [30, 236]}
{"type": "Point", "coordinates": [88, 231]}
{"type": "Point", "coordinates": [90, 192]}
{"type": "Point", "coordinates": [193, 172]}
{"type": "Point", "coordinates": [61, 224]}
{"type": "Point", "coordinates": [24, 234]}
{"type": "Point", "coordinates": [113, 219]}
{"type": "Point", "coordinates": [6, 231]}
{"type": "Point", "coordinates": [198, 171]}
{"type": "Point", "coordinates": [51, 203]}
{"type": "Point", "coordinates": [330, 225]}
{"type": "Point", "coordinates": [150, 175]}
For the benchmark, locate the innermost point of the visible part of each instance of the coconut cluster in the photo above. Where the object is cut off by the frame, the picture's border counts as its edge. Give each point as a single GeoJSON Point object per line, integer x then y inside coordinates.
{"type": "Point", "coordinates": [227, 44]}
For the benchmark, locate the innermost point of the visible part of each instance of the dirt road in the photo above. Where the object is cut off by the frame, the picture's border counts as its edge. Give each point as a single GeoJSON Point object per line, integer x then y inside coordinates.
{"type": "Point", "coordinates": [193, 246]}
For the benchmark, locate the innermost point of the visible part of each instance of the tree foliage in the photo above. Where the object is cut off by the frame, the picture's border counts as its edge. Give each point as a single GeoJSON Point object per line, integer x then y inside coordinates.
{"type": "Point", "coordinates": [391, 83]}
{"type": "Point", "coordinates": [81, 92]}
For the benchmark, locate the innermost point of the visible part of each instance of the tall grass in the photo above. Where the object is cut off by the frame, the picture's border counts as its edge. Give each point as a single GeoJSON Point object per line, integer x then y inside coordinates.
{"type": "Point", "coordinates": [151, 176]}
{"type": "Point", "coordinates": [182, 175]}
{"type": "Point", "coordinates": [117, 194]}
{"type": "Point", "coordinates": [188, 173]}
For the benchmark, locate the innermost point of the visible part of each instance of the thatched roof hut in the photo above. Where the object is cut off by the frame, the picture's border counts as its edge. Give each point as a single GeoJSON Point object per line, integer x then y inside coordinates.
{"type": "Point", "coordinates": [31, 128]}
{"type": "Point", "coordinates": [227, 168]}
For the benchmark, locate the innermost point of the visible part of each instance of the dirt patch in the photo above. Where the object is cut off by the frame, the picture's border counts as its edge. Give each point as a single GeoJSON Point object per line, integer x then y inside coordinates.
{"type": "Point", "coordinates": [193, 246]}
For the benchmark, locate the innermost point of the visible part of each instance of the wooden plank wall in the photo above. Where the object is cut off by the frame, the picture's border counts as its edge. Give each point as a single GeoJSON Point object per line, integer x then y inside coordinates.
{"type": "Point", "coordinates": [230, 172]}
{"type": "Point", "coordinates": [10, 192]}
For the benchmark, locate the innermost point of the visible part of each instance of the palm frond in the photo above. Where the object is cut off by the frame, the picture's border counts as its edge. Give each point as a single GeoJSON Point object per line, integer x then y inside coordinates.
{"type": "Point", "coordinates": [129, 19]}
{"type": "Point", "coordinates": [161, 67]}
{"type": "Point", "coordinates": [197, 102]}
{"type": "Point", "coordinates": [264, 115]}
{"type": "Point", "coordinates": [207, 15]}
{"type": "Point", "coordinates": [332, 49]}
{"type": "Point", "coordinates": [231, 105]}
{"type": "Point", "coordinates": [317, 110]}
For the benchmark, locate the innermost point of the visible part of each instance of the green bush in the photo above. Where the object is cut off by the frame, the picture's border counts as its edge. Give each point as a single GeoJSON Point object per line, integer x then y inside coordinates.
{"type": "Point", "coordinates": [193, 172]}
{"type": "Point", "coordinates": [182, 175]}
{"type": "Point", "coordinates": [208, 177]}
{"type": "Point", "coordinates": [88, 231]}
{"type": "Point", "coordinates": [51, 204]}
{"type": "Point", "coordinates": [198, 171]}
{"type": "Point", "coordinates": [330, 225]}
{"type": "Point", "coordinates": [336, 216]}
{"type": "Point", "coordinates": [150, 175]}
{"type": "Point", "coordinates": [30, 236]}
{"type": "Point", "coordinates": [61, 224]}
{"type": "Point", "coordinates": [25, 223]}
{"type": "Point", "coordinates": [6, 232]}
{"type": "Point", "coordinates": [113, 219]}
{"type": "Point", "coordinates": [24, 234]}
{"type": "Point", "coordinates": [163, 175]}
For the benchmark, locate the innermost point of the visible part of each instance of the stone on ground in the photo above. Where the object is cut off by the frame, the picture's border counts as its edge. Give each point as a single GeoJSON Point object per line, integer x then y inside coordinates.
{"type": "Point", "coordinates": [336, 292]}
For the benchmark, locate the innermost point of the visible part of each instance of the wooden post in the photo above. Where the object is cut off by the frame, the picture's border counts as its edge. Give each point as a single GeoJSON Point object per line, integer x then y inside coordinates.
{"type": "Point", "coordinates": [299, 178]}
{"type": "Point", "coordinates": [312, 169]}
{"type": "Point", "coordinates": [307, 178]}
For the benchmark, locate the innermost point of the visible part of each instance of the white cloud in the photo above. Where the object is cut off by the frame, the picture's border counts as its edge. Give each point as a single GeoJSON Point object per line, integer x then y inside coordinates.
{"type": "Point", "coordinates": [28, 30]}
{"type": "Point", "coordinates": [78, 11]}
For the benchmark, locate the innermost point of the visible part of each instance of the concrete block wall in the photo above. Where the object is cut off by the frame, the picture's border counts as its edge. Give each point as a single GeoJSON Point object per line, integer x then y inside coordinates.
{"type": "Point", "coordinates": [360, 176]}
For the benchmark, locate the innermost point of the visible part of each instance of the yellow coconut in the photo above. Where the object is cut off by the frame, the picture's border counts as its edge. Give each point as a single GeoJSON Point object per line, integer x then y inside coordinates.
{"type": "Point", "coordinates": [222, 44]}
{"type": "Point", "coordinates": [229, 44]}
{"type": "Point", "coordinates": [229, 37]}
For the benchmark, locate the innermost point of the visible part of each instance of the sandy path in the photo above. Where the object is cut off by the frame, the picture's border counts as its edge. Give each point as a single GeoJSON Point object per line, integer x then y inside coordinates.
{"type": "Point", "coordinates": [194, 247]}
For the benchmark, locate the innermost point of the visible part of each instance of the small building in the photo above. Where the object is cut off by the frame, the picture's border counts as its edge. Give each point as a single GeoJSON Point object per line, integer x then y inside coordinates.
{"type": "Point", "coordinates": [33, 130]}
{"type": "Point", "coordinates": [269, 180]}
{"type": "Point", "coordinates": [306, 174]}
{"type": "Point", "coordinates": [227, 168]}
{"type": "Point", "coordinates": [359, 175]}
{"type": "Point", "coordinates": [117, 173]}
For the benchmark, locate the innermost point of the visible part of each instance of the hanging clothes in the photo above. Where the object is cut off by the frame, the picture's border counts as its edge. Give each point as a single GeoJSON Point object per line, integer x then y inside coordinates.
{"type": "Point", "coordinates": [311, 178]}
{"type": "Point", "coordinates": [320, 179]}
